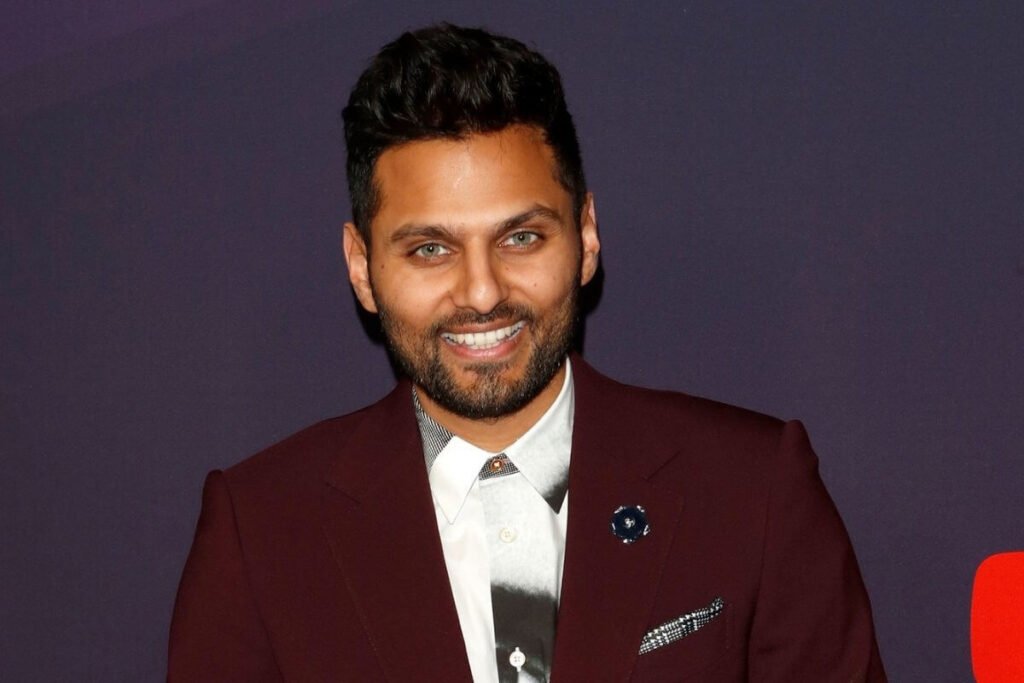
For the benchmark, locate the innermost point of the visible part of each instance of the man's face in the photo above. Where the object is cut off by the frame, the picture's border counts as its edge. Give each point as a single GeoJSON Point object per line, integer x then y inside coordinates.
{"type": "Point", "coordinates": [474, 268]}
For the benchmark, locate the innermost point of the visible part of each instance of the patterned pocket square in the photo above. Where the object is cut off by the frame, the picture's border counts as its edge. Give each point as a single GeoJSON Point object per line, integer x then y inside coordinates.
{"type": "Point", "coordinates": [680, 627]}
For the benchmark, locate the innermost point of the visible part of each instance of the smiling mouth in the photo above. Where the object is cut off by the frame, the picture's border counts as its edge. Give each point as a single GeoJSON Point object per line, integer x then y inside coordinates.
{"type": "Point", "coordinates": [479, 341]}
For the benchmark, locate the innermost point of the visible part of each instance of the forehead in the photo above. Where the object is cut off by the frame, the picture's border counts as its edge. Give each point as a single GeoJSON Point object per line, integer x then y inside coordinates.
{"type": "Point", "coordinates": [480, 179]}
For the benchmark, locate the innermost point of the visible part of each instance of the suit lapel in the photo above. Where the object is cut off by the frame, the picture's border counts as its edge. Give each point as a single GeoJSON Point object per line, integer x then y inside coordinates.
{"type": "Point", "coordinates": [380, 524]}
{"type": "Point", "coordinates": [379, 521]}
{"type": "Point", "coordinates": [608, 587]}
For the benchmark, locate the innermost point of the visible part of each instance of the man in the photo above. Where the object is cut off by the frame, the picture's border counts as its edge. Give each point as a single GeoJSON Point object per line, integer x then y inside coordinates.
{"type": "Point", "coordinates": [507, 513]}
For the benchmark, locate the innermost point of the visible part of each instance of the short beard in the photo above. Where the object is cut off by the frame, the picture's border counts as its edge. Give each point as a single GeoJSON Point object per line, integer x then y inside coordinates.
{"type": "Point", "coordinates": [489, 396]}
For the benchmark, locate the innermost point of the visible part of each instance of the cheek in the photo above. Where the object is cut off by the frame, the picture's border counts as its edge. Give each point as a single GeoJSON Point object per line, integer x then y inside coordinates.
{"type": "Point", "coordinates": [551, 287]}
{"type": "Point", "coordinates": [417, 301]}
{"type": "Point", "coordinates": [547, 289]}
{"type": "Point", "coordinates": [550, 279]}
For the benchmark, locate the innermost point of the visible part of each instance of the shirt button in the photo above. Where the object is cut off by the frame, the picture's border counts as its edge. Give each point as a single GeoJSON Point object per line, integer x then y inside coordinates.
{"type": "Point", "coordinates": [495, 464]}
{"type": "Point", "coordinates": [507, 535]}
{"type": "Point", "coordinates": [517, 659]}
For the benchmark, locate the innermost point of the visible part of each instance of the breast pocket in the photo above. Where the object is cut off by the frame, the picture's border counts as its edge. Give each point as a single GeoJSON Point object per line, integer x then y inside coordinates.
{"type": "Point", "coordinates": [704, 652]}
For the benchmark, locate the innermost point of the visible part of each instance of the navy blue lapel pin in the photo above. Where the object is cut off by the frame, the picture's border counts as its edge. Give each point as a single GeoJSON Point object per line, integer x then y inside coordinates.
{"type": "Point", "coordinates": [629, 523]}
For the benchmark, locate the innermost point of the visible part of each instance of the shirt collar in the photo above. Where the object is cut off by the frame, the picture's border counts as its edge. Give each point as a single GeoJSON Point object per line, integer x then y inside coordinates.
{"type": "Point", "coordinates": [541, 454]}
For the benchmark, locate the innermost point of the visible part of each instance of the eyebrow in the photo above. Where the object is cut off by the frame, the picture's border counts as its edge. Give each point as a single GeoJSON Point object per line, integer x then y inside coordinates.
{"type": "Point", "coordinates": [436, 231]}
{"type": "Point", "coordinates": [525, 217]}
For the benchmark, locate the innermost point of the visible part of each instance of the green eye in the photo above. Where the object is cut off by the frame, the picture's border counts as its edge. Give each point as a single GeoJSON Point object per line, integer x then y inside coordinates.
{"type": "Point", "coordinates": [522, 239]}
{"type": "Point", "coordinates": [432, 250]}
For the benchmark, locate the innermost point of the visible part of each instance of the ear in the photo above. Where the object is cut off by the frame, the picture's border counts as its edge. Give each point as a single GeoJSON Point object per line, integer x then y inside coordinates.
{"type": "Point", "coordinates": [358, 261]}
{"type": "Point", "coordinates": [590, 241]}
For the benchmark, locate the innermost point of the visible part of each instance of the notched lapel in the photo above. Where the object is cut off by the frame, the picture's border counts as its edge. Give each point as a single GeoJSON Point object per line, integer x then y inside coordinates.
{"type": "Point", "coordinates": [379, 520]}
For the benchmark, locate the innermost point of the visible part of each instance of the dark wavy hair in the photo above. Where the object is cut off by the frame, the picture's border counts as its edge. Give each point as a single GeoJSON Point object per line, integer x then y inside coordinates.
{"type": "Point", "coordinates": [448, 81]}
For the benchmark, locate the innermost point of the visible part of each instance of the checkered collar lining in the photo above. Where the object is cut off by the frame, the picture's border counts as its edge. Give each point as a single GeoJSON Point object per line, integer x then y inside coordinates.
{"type": "Point", "coordinates": [541, 454]}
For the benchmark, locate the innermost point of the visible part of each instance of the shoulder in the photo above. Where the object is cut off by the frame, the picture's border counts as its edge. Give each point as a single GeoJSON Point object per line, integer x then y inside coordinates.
{"type": "Point", "coordinates": [674, 412]}
{"type": "Point", "coordinates": [307, 455]}
{"type": "Point", "coordinates": [725, 445]}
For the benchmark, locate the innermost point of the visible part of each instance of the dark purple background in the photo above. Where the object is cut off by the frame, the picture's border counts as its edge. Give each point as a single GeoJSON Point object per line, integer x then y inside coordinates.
{"type": "Point", "coordinates": [815, 210]}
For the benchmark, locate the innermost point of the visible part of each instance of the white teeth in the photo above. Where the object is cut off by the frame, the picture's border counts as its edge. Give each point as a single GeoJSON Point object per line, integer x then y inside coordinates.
{"type": "Point", "coordinates": [484, 340]}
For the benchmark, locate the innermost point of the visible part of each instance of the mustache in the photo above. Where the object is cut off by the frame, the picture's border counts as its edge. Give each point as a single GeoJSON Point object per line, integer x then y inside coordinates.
{"type": "Point", "coordinates": [504, 311]}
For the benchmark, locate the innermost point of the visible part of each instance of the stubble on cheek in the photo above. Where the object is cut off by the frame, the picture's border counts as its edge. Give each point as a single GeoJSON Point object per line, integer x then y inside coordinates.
{"type": "Point", "coordinates": [489, 392]}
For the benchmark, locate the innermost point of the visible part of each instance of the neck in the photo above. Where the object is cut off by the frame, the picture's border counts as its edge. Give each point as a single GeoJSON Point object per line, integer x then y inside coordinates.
{"type": "Point", "coordinates": [495, 434]}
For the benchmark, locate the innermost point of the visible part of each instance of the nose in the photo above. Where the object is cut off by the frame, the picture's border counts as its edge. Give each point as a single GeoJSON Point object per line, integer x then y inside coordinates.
{"type": "Point", "coordinates": [481, 284]}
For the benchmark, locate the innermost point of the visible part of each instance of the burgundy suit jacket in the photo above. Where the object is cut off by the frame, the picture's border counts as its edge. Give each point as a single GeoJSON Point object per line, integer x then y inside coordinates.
{"type": "Point", "coordinates": [319, 558]}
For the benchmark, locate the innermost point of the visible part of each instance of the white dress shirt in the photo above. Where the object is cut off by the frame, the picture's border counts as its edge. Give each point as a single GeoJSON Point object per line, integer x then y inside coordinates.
{"type": "Point", "coordinates": [504, 530]}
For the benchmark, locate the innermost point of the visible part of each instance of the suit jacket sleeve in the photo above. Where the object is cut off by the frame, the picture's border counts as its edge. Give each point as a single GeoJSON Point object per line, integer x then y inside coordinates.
{"type": "Point", "coordinates": [216, 630]}
{"type": "Point", "coordinates": [812, 620]}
